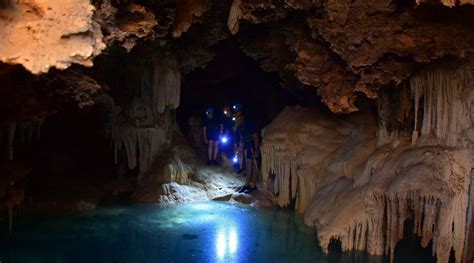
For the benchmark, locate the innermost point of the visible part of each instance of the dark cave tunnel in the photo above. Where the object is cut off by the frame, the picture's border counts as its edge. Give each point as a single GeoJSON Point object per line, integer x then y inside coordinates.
{"type": "Point", "coordinates": [231, 77]}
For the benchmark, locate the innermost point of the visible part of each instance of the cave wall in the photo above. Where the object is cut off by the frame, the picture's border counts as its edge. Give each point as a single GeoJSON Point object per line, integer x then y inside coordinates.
{"type": "Point", "coordinates": [364, 47]}
{"type": "Point", "coordinates": [357, 179]}
{"type": "Point", "coordinates": [143, 125]}
{"type": "Point", "coordinates": [386, 50]}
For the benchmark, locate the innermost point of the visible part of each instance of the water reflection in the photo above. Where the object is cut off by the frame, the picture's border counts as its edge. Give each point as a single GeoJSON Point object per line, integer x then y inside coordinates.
{"type": "Point", "coordinates": [226, 243]}
{"type": "Point", "coordinates": [200, 232]}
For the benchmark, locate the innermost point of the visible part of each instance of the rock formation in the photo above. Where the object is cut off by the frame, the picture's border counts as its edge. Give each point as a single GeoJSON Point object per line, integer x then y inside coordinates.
{"type": "Point", "coordinates": [360, 188]}
{"type": "Point", "coordinates": [43, 34]}
{"type": "Point", "coordinates": [356, 178]}
{"type": "Point", "coordinates": [146, 124]}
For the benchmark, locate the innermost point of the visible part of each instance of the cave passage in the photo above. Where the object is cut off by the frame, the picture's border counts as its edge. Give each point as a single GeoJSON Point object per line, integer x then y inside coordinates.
{"type": "Point", "coordinates": [232, 78]}
{"type": "Point", "coordinates": [364, 112]}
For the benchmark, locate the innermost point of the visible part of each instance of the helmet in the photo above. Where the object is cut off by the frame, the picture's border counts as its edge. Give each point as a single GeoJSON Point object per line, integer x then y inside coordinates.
{"type": "Point", "coordinates": [209, 110]}
{"type": "Point", "coordinates": [237, 107]}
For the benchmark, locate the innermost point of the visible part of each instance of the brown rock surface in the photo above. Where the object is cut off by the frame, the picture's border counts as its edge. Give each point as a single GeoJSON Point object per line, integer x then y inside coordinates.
{"type": "Point", "coordinates": [133, 22]}
{"type": "Point", "coordinates": [382, 41]}
{"type": "Point", "coordinates": [41, 34]}
{"type": "Point", "coordinates": [186, 13]}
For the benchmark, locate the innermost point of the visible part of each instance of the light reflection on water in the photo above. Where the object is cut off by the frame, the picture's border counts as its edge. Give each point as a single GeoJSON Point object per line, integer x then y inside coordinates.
{"type": "Point", "coordinates": [193, 232]}
{"type": "Point", "coordinates": [226, 244]}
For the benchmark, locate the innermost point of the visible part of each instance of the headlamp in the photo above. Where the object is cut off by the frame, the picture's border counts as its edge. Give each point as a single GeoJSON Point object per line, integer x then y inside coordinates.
{"type": "Point", "coordinates": [235, 159]}
{"type": "Point", "coordinates": [224, 139]}
{"type": "Point", "coordinates": [233, 118]}
{"type": "Point", "coordinates": [225, 112]}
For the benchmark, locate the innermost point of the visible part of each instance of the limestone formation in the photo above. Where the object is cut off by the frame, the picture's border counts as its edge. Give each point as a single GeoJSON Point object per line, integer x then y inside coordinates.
{"type": "Point", "coordinates": [134, 22]}
{"type": "Point", "coordinates": [186, 13]}
{"type": "Point", "coordinates": [361, 192]}
{"type": "Point", "coordinates": [357, 178]}
{"type": "Point", "coordinates": [145, 125]}
{"type": "Point", "coordinates": [40, 34]}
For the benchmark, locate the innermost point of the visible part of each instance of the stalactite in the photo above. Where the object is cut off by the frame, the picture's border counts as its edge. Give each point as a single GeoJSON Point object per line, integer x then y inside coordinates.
{"type": "Point", "coordinates": [446, 104]}
{"type": "Point", "coordinates": [372, 217]}
{"type": "Point", "coordinates": [109, 111]}
{"type": "Point", "coordinates": [363, 195]}
{"type": "Point", "coordinates": [303, 161]}
{"type": "Point", "coordinates": [234, 17]}
{"type": "Point", "coordinates": [145, 126]}
{"type": "Point", "coordinates": [166, 85]}
{"type": "Point", "coordinates": [384, 134]}
{"type": "Point", "coordinates": [28, 130]}
{"type": "Point", "coordinates": [141, 145]}
{"type": "Point", "coordinates": [282, 161]}
{"type": "Point", "coordinates": [469, 244]}
{"type": "Point", "coordinates": [11, 127]}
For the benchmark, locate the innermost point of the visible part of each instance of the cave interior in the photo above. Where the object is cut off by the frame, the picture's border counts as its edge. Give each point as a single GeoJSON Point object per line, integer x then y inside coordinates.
{"type": "Point", "coordinates": [364, 112]}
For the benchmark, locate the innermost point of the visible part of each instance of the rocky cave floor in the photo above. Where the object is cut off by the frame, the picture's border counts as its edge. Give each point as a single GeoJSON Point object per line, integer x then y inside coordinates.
{"type": "Point", "coordinates": [66, 194]}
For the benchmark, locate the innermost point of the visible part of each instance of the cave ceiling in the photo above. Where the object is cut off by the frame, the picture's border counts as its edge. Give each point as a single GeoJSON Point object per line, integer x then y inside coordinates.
{"type": "Point", "coordinates": [341, 49]}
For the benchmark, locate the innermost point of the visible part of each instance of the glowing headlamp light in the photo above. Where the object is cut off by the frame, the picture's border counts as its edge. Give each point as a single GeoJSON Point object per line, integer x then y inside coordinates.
{"type": "Point", "coordinates": [233, 118]}
{"type": "Point", "coordinates": [234, 107]}
{"type": "Point", "coordinates": [224, 139]}
{"type": "Point", "coordinates": [225, 112]}
{"type": "Point", "coordinates": [235, 159]}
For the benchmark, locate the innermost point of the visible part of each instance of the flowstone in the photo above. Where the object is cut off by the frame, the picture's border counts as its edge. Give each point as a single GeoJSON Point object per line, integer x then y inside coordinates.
{"type": "Point", "coordinates": [358, 182]}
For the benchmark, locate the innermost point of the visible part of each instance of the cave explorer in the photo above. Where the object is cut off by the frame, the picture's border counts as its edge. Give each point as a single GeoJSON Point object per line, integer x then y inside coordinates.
{"type": "Point", "coordinates": [212, 130]}
{"type": "Point", "coordinates": [228, 136]}
{"type": "Point", "coordinates": [250, 147]}
{"type": "Point", "coordinates": [237, 108]}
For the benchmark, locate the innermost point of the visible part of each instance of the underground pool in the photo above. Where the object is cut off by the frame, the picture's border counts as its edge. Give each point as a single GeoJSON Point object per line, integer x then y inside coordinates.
{"type": "Point", "coordinates": [191, 232]}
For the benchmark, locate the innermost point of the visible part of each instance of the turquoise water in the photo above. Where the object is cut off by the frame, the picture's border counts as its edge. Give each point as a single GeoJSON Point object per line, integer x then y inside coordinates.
{"type": "Point", "coordinates": [192, 232]}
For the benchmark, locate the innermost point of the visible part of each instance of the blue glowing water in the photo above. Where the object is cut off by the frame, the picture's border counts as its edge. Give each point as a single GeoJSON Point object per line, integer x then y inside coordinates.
{"type": "Point", "coordinates": [192, 232]}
